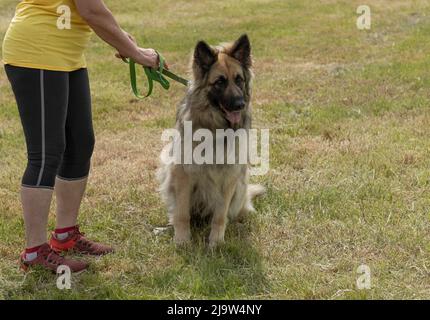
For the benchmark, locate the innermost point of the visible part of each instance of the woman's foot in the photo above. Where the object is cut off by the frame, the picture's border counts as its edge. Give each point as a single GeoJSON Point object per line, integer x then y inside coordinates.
{"type": "Point", "coordinates": [51, 260]}
{"type": "Point", "coordinates": [77, 242]}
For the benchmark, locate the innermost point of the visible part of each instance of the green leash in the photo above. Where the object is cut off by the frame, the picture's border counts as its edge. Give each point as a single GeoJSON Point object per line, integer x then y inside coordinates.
{"type": "Point", "coordinates": [158, 75]}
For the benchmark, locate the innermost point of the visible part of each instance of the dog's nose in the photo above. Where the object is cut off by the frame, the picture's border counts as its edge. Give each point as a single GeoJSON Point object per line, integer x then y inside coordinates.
{"type": "Point", "coordinates": [238, 104]}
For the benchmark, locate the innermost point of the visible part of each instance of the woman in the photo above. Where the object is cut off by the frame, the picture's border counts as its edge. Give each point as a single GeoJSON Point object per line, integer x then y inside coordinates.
{"type": "Point", "coordinates": [44, 61]}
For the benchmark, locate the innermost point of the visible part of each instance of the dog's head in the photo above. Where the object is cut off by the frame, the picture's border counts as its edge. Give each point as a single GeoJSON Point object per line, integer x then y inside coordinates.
{"type": "Point", "coordinates": [224, 72]}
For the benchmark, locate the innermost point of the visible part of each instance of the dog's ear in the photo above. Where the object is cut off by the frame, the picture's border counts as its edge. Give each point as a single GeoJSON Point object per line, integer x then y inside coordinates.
{"type": "Point", "coordinates": [241, 51]}
{"type": "Point", "coordinates": [204, 56]}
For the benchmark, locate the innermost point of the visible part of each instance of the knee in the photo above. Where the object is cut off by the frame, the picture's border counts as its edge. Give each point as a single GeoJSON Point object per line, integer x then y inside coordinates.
{"type": "Point", "coordinates": [77, 160]}
{"type": "Point", "coordinates": [84, 151]}
{"type": "Point", "coordinates": [43, 167]}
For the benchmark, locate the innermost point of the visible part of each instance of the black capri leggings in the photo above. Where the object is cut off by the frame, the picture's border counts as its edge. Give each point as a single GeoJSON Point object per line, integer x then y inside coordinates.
{"type": "Point", "coordinates": [55, 111]}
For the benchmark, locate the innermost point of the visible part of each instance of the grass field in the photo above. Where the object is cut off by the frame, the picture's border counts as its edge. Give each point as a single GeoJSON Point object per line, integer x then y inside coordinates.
{"type": "Point", "coordinates": [349, 179]}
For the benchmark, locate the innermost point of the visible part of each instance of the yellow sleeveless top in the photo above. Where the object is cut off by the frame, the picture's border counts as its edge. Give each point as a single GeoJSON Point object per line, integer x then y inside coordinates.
{"type": "Point", "coordinates": [46, 34]}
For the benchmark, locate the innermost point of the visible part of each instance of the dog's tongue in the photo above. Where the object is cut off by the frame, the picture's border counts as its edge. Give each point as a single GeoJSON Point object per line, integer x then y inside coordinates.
{"type": "Point", "coordinates": [233, 117]}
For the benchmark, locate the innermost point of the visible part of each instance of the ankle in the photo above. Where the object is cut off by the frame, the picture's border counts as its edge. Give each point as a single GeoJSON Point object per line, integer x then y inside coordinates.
{"type": "Point", "coordinates": [31, 253]}
{"type": "Point", "coordinates": [63, 233]}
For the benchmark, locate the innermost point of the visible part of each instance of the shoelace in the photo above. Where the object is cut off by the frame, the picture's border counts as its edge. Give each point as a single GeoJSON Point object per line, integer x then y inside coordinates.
{"type": "Point", "coordinates": [80, 238]}
{"type": "Point", "coordinates": [51, 256]}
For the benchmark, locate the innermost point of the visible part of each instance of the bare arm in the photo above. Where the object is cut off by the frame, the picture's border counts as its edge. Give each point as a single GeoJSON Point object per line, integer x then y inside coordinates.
{"type": "Point", "coordinates": [101, 20]}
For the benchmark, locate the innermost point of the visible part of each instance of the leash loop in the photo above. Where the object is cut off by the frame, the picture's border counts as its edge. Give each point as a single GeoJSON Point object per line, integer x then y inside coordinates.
{"type": "Point", "coordinates": [158, 75]}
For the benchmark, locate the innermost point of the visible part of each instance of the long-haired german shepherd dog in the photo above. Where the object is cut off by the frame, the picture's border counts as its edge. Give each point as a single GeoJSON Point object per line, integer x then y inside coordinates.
{"type": "Point", "coordinates": [218, 98]}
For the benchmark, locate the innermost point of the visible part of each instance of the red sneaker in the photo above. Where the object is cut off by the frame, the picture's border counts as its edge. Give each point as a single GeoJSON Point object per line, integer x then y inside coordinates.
{"type": "Point", "coordinates": [78, 243]}
{"type": "Point", "coordinates": [51, 260]}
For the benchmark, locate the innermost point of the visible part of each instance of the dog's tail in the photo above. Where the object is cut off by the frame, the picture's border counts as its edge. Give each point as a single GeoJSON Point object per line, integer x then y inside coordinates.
{"type": "Point", "coordinates": [255, 190]}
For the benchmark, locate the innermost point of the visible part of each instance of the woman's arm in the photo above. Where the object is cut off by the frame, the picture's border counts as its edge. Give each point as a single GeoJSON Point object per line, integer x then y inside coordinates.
{"type": "Point", "coordinates": [101, 20]}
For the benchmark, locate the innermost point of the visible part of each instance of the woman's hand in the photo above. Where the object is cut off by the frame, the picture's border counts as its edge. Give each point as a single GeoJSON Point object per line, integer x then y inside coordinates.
{"type": "Point", "coordinates": [147, 58]}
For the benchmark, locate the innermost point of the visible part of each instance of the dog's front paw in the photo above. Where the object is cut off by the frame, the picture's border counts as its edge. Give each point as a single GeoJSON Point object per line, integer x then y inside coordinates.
{"type": "Point", "coordinates": [182, 238]}
{"type": "Point", "coordinates": [215, 244]}
{"type": "Point", "coordinates": [215, 239]}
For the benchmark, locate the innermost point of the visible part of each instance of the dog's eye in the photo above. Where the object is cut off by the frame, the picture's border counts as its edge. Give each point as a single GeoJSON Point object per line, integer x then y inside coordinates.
{"type": "Point", "coordinates": [239, 80]}
{"type": "Point", "coordinates": [221, 82]}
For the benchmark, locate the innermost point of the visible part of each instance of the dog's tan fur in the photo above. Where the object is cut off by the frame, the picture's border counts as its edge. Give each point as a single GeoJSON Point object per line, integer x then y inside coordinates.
{"type": "Point", "coordinates": [221, 191]}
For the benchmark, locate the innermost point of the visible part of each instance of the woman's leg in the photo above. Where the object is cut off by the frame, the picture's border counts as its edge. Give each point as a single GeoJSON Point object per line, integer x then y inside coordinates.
{"type": "Point", "coordinates": [42, 98]}
{"type": "Point", "coordinates": [72, 176]}
{"type": "Point", "coordinates": [69, 196]}
{"type": "Point", "coordinates": [35, 205]}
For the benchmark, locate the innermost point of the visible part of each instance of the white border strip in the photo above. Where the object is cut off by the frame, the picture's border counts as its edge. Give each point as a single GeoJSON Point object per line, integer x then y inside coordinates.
{"type": "Point", "coordinates": [42, 111]}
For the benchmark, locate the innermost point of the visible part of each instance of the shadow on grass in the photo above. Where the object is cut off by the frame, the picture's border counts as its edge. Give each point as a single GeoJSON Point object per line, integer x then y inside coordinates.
{"type": "Point", "coordinates": [233, 270]}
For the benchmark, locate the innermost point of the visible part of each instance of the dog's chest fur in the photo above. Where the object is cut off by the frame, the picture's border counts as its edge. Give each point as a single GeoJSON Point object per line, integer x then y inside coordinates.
{"type": "Point", "coordinates": [209, 183]}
